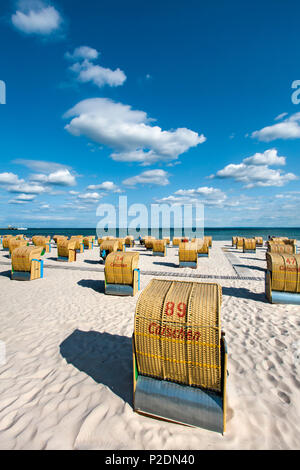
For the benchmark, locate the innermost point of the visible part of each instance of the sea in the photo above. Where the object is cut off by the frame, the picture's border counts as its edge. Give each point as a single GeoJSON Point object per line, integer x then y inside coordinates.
{"type": "Point", "coordinates": [216, 233]}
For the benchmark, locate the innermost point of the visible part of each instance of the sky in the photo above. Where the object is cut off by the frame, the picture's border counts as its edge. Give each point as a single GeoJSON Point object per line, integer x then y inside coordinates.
{"type": "Point", "coordinates": [172, 102]}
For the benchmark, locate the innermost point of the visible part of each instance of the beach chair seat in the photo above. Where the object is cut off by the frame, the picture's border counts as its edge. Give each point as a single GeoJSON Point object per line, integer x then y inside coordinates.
{"type": "Point", "coordinates": [66, 250]}
{"type": "Point", "coordinates": [107, 247]}
{"type": "Point", "coordinates": [282, 278]}
{"type": "Point", "coordinates": [26, 264]}
{"type": "Point", "coordinates": [249, 245]}
{"type": "Point", "coordinates": [180, 354]}
{"type": "Point", "coordinates": [159, 248]}
{"type": "Point", "coordinates": [13, 243]}
{"type": "Point", "coordinates": [43, 242]}
{"type": "Point", "coordinates": [122, 275]}
{"type": "Point", "coordinates": [188, 256]}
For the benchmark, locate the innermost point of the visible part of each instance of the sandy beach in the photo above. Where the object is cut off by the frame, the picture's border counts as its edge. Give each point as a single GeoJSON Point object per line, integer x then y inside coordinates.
{"type": "Point", "coordinates": [67, 380]}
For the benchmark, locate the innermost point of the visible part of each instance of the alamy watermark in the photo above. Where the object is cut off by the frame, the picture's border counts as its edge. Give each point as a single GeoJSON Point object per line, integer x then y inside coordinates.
{"type": "Point", "coordinates": [2, 353]}
{"type": "Point", "coordinates": [296, 94]}
{"type": "Point", "coordinates": [157, 220]}
{"type": "Point", "coordinates": [2, 92]}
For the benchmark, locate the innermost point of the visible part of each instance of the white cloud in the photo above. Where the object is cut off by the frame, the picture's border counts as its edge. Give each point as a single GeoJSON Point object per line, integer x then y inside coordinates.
{"type": "Point", "coordinates": [128, 132]}
{"type": "Point", "coordinates": [86, 71]}
{"type": "Point", "coordinates": [26, 188]}
{"type": "Point", "coordinates": [105, 186]}
{"type": "Point", "coordinates": [41, 165]}
{"type": "Point", "coordinates": [9, 178]}
{"type": "Point", "coordinates": [280, 116]}
{"type": "Point", "coordinates": [287, 129]}
{"type": "Point", "coordinates": [205, 195]}
{"type": "Point", "coordinates": [90, 197]}
{"type": "Point", "coordinates": [25, 197]}
{"type": "Point", "coordinates": [59, 178]}
{"type": "Point", "coordinates": [254, 171]}
{"type": "Point", "coordinates": [157, 177]}
{"type": "Point", "coordinates": [35, 17]}
{"type": "Point", "coordinates": [269, 157]}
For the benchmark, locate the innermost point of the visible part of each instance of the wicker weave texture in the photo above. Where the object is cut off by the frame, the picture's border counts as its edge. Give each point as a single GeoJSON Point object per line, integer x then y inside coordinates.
{"type": "Point", "coordinates": [239, 242]}
{"type": "Point", "coordinates": [249, 244]}
{"type": "Point", "coordinates": [281, 248]}
{"type": "Point", "coordinates": [22, 256]}
{"type": "Point", "coordinates": [5, 242]}
{"type": "Point", "coordinates": [177, 332]}
{"type": "Point", "coordinates": [188, 251]}
{"type": "Point", "coordinates": [109, 246]}
{"type": "Point", "coordinates": [285, 272]}
{"type": "Point", "coordinates": [149, 242]}
{"type": "Point", "coordinates": [64, 246]}
{"type": "Point", "coordinates": [13, 243]}
{"type": "Point", "coordinates": [119, 268]}
{"type": "Point", "coordinates": [159, 246]}
{"type": "Point", "coordinates": [208, 240]}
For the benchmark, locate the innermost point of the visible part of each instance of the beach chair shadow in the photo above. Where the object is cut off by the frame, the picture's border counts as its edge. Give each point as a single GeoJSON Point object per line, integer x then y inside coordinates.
{"type": "Point", "coordinates": [241, 292]}
{"type": "Point", "coordinates": [106, 358]}
{"type": "Point", "coordinates": [256, 268]}
{"type": "Point", "coordinates": [92, 261]}
{"type": "Point", "coordinates": [170, 265]}
{"type": "Point", "coordinates": [254, 259]}
{"type": "Point", "coordinates": [95, 284]}
{"type": "Point", "coordinates": [5, 273]}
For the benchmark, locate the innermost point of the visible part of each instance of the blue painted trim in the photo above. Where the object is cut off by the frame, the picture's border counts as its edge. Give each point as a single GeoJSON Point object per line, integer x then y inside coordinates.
{"type": "Point", "coordinates": [139, 277]}
{"type": "Point", "coordinates": [279, 297]}
{"type": "Point", "coordinates": [42, 266]}
{"type": "Point", "coordinates": [202, 255]}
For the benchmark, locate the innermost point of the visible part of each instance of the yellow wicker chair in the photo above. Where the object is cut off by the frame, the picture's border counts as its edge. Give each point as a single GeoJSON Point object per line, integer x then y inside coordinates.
{"type": "Point", "coordinates": [249, 245]}
{"type": "Point", "coordinates": [282, 280]}
{"type": "Point", "coordinates": [57, 237]}
{"type": "Point", "coordinates": [167, 239]}
{"type": "Point", "coordinates": [88, 243]}
{"type": "Point", "coordinates": [122, 276]}
{"type": "Point", "coordinates": [259, 241]}
{"type": "Point", "coordinates": [129, 241]}
{"type": "Point", "coordinates": [107, 247]}
{"type": "Point", "coordinates": [149, 243]}
{"type": "Point", "coordinates": [26, 264]}
{"type": "Point", "coordinates": [13, 243]}
{"type": "Point", "coordinates": [239, 243]}
{"type": "Point", "coordinates": [5, 242]}
{"type": "Point", "coordinates": [208, 240]}
{"type": "Point", "coordinates": [66, 250]}
{"type": "Point", "coordinates": [79, 245]}
{"type": "Point", "coordinates": [233, 241]}
{"type": "Point", "coordinates": [180, 354]}
{"type": "Point", "coordinates": [188, 256]}
{"type": "Point", "coordinates": [281, 247]}
{"type": "Point", "coordinates": [202, 247]}
{"type": "Point", "coordinates": [159, 248]}
{"type": "Point", "coordinates": [43, 242]}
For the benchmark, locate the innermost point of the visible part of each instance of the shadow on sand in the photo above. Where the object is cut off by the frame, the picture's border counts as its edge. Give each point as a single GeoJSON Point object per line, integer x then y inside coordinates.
{"type": "Point", "coordinates": [95, 284]}
{"type": "Point", "coordinates": [106, 358]}
{"type": "Point", "coordinates": [5, 274]}
{"type": "Point", "coordinates": [241, 292]}
{"type": "Point", "coordinates": [170, 265]}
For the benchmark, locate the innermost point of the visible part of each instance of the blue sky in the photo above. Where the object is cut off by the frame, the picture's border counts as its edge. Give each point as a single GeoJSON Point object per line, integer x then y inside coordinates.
{"type": "Point", "coordinates": [167, 101]}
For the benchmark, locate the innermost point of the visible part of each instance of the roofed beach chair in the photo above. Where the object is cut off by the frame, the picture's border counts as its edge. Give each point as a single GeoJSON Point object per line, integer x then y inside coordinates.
{"type": "Point", "coordinates": [259, 241]}
{"type": "Point", "coordinates": [43, 242]}
{"type": "Point", "coordinates": [122, 275]}
{"type": "Point", "coordinates": [107, 247]}
{"type": "Point", "coordinates": [149, 243]}
{"type": "Point", "coordinates": [209, 241]}
{"type": "Point", "coordinates": [281, 247]}
{"type": "Point", "coordinates": [180, 354]}
{"type": "Point", "coordinates": [159, 248]}
{"type": "Point", "coordinates": [88, 243]}
{"type": "Point", "coordinates": [233, 241]}
{"type": "Point", "coordinates": [5, 242]}
{"type": "Point", "coordinates": [239, 243]}
{"type": "Point", "coordinates": [202, 247]}
{"type": "Point", "coordinates": [167, 240]}
{"type": "Point", "coordinates": [79, 245]}
{"type": "Point", "coordinates": [26, 264]}
{"type": "Point", "coordinates": [188, 256]}
{"type": "Point", "coordinates": [176, 241]}
{"type": "Point", "coordinates": [282, 278]}
{"type": "Point", "coordinates": [121, 244]}
{"type": "Point", "coordinates": [13, 243]}
{"type": "Point", "coordinates": [129, 241]}
{"type": "Point", "coordinates": [249, 245]}
{"type": "Point", "coordinates": [56, 237]}
{"type": "Point", "coordinates": [66, 250]}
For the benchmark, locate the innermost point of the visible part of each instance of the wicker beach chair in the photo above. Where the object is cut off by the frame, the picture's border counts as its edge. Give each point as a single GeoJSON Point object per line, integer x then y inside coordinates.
{"type": "Point", "coordinates": [159, 248]}
{"type": "Point", "coordinates": [122, 275]}
{"type": "Point", "coordinates": [66, 250]}
{"type": "Point", "coordinates": [259, 241]}
{"type": "Point", "coordinates": [281, 247]}
{"type": "Point", "coordinates": [249, 245]}
{"type": "Point", "coordinates": [149, 242]}
{"type": "Point", "coordinates": [239, 243]}
{"type": "Point", "coordinates": [188, 256]}
{"type": "Point", "coordinates": [88, 243]}
{"type": "Point", "coordinates": [176, 241]}
{"type": "Point", "coordinates": [208, 240]}
{"type": "Point", "coordinates": [282, 279]}
{"type": "Point", "coordinates": [233, 241]}
{"type": "Point", "coordinates": [79, 245]}
{"type": "Point", "coordinates": [202, 247]}
{"type": "Point", "coordinates": [167, 239]}
{"type": "Point", "coordinates": [57, 237]}
{"type": "Point", "coordinates": [5, 241]}
{"type": "Point", "coordinates": [13, 243]}
{"type": "Point", "coordinates": [107, 247]}
{"type": "Point", "coordinates": [129, 241]}
{"type": "Point", "coordinates": [26, 264]}
{"type": "Point", "coordinates": [180, 355]}
{"type": "Point", "coordinates": [43, 242]}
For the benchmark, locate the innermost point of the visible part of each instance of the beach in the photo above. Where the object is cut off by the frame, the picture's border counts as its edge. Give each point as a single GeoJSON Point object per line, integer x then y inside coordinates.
{"type": "Point", "coordinates": [67, 379]}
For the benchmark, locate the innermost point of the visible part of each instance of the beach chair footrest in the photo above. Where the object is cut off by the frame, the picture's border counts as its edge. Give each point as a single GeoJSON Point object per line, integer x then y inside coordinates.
{"type": "Point", "coordinates": [179, 403]}
{"type": "Point", "coordinates": [188, 264]}
{"type": "Point", "coordinates": [20, 276]}
{"type": "Point", "coordinates": [118, 289]}
{"type": "Point", "coordinates": [279, 297]}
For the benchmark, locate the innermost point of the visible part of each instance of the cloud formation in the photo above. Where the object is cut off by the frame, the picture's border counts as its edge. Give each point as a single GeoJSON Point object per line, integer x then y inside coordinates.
{"type": "Point", "coordinates": [287, 129]}
{"type": "Point", "coordinates": [36, 17]}
{"type": "Point", "coordinates": [128, 132]}
{"type": "Point", "coordinates": [156, 177]}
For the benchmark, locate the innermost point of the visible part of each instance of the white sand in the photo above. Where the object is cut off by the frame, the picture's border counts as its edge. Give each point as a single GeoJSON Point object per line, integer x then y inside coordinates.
{"type": "Point", "coordinates": [67, 380]}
